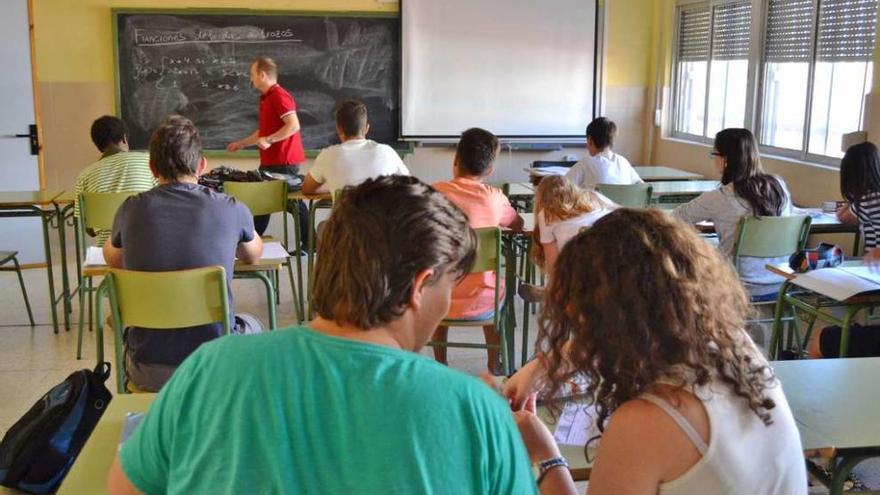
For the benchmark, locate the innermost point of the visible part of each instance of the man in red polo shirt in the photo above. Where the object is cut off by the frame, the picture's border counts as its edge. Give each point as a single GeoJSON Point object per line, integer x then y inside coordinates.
{"type": "Point", "coordinates": [278, 134]}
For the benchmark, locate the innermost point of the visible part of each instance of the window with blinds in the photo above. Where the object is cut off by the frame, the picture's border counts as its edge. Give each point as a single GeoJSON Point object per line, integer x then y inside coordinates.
{"type": "Point", "coordinates": [693, 34]}
{"type": "Point", "coordinates": [789, 31]}
{"type": "Point", "coordinates": [847, 30]}
{"type": "Point", "coordinates": [732, 33]}
{"type": "Point", "coordinates": [713, 49]}
{"type": "Point", "coordinates": [817, 68]}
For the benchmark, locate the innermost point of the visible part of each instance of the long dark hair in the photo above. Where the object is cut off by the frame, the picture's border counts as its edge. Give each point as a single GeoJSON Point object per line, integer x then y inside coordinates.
{"type": "Point", "coordinates": [859, 171]}
{"type": "Point", "coordinates": [763, 192]}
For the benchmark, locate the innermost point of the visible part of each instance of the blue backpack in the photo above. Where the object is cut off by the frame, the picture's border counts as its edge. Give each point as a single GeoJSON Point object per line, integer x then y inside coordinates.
{"type": "Point", "coordinates": [39, 449]}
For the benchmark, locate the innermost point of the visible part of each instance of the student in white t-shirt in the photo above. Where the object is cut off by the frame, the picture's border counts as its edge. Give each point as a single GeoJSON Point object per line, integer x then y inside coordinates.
{"type": "Point", "coordinates": [562, 209]}
{"type": "Point", "coordinates": [356, 158]}
{"type": "Point", "coordinates": [603, 166]}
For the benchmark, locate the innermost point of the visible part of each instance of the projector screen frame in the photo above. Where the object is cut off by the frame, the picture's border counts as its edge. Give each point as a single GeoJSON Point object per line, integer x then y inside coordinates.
{"type": "Point", "coordinates": [565, 140]}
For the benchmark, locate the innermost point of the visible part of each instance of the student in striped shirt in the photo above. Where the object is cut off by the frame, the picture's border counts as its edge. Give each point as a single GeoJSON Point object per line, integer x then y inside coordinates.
{"type": "Point", "coordinates": [860, 186]}
{"type": "Point", "coordinates": [118, 170]}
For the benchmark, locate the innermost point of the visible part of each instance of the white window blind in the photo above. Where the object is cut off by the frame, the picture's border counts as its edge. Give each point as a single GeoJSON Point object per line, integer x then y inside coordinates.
{"type": "Point", "coordinates": [789, 31]}
{"type": "Point", "coordinates": [732, 27]}
{"type": "Point", "coordinates": [693, 34]}
{"type": "Point", "coordinates": [847, 30]}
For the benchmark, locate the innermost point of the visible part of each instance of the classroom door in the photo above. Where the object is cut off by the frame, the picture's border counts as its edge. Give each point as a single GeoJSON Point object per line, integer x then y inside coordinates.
{"type": "Point", "coordinates": [19, 163]}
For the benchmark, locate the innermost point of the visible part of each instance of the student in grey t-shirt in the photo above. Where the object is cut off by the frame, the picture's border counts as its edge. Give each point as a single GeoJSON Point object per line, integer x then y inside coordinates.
{"type": "Point", "coordinates": [745, 190]}
{"type": "Point", "coordinates": [177, 226]}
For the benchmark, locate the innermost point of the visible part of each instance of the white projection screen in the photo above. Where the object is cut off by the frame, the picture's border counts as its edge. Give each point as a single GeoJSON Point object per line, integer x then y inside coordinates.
{"type": "Point", "coordinates": [519, 68]}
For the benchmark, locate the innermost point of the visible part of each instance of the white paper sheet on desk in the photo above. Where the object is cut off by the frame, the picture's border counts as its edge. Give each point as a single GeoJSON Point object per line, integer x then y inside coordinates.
{"type": "Point", "coordinates": [836, 283]}
{"type": "Point", "coordinates": [865, 272]}
{"type": "Point", "coordinates": [546, 171]}
{"type": "Point", "coordinates": [576, 425]}
{"type": "Point", "coordinates": [271, 251]}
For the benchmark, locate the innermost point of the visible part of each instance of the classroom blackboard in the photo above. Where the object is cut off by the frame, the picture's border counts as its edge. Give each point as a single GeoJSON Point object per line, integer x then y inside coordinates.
{"type": "Point", "coordinates": [197, 65]}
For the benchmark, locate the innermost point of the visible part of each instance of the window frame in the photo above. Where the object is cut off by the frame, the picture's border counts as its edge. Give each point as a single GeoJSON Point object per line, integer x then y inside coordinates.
{"type": "Point", "coordinates": [756, 80]}
{"type": "Point", "coordinates": [712, 5]}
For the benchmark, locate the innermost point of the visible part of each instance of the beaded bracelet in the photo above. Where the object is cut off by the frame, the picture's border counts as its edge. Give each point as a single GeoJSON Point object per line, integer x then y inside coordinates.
{"type": "Point", "coordinates": [547, 465]}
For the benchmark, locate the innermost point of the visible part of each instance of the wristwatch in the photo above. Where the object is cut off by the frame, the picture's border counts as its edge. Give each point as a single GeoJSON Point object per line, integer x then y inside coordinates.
{"type": "Point", "coordinates": [548, 465]}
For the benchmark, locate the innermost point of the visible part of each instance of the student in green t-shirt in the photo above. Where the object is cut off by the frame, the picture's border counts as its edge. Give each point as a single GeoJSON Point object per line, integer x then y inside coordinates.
{"type": "Point", "coordinates": [344, 404]}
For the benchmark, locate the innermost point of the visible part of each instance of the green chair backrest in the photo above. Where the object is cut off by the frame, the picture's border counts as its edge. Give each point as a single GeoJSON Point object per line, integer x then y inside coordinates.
{"type": "Point", "coordinates": [262, 198]}
{"type": "Point", "coordinates": [488, 250]}
{"type": "Point", "coordinates": [628, 195]}
{"type": "Point", "coordinates": [169, 300]}
{"type": "Point", "coordinates": [97, 210]}
{"type": "Point", "coordinates": [770, 237]}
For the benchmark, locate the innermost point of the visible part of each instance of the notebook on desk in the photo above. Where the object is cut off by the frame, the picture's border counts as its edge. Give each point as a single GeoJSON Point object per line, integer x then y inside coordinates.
{"type": "Point", "coordinates": [271, 251]}
{"type": "Point", "coordinates": [841, 283]}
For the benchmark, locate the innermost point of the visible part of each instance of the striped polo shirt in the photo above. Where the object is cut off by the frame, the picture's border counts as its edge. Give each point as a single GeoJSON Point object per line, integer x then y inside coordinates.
{"type": "Point", "coordinates": [867, 209]}
{"type": "Point", "coordinates": [121, 171]}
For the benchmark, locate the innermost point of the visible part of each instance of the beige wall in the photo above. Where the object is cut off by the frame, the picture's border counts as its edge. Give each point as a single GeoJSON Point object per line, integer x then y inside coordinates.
{"type": "Point", "coordinates": [75, 78]}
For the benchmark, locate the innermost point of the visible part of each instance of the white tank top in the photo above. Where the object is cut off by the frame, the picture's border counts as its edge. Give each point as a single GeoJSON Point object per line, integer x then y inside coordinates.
{"type": "Point", "coordinates": [743, 455]}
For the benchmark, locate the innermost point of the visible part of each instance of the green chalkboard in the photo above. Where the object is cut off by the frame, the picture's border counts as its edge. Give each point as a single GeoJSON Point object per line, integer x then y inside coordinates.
{"type": "Point", "coordinates": [196, 64]}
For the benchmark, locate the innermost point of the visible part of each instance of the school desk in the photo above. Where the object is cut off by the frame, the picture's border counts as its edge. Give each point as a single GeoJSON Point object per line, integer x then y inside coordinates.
{"type": "Point", "coordinates": [516, 255]}
{"type": "Point", "coordinates": [520, 194]}
{"type": "Point", "coordinates": [822, 223]}
{"type": "Point", "coordinates": [680, 191]}
{"type": "Point", "coordinates": [89, 472]}
{"type": "Point", "coordinates": [315, 202]}
{"type": "Point", "coordinates": [816, 305]}
{"type": "Point", "coordinates": [834, 404]}
{"type": "Point", "coordinates": [16, 204]}
{"type": "Point", "coordinates": [651, 174]}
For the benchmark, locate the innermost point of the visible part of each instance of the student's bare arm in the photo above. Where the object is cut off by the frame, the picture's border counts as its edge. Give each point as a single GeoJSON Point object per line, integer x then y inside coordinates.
{"type": "Point", "coordinates": [845, 215]}
{"type": "Point", "coordinates": [117, 481]}
{"type": "Point", "coordinates": [311, 186]}
{"type": "Point", "coordinates": [249, 140]}
{"type": "Point", "coordinates": [290, 127]}
{"type": "Point", "coordinates": [551, 253]}
{"type": "Point", "coordinates": [251, 251]}
{"type": "Point", "coordinates": [112, 255]}
{"type": "Point", "coordinates": [517, 223]}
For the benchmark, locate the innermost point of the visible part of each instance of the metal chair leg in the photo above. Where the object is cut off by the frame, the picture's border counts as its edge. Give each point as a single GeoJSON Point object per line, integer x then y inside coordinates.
{"type": "Point", "coordinates": [27, 303]}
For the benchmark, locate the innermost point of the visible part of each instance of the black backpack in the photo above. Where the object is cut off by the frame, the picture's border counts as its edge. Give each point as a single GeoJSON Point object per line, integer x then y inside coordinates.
{"type": "Point", "coordinates": [39, 449]}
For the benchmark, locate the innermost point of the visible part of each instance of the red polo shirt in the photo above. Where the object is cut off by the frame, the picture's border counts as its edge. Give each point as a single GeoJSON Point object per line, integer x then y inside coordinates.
{"type": "Point", "coordinates": [274, 105]}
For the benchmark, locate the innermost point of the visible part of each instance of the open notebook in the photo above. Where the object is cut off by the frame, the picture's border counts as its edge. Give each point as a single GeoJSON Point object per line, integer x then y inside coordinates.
{"type": "Point", "coordinates": [841, 283]}
{"type": "Point", "coordinates": [271, 251]}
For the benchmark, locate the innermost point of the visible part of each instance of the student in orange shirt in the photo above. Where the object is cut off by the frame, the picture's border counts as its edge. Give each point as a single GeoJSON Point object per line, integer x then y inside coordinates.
{"type": "Point", "coordinates": [485, 206]}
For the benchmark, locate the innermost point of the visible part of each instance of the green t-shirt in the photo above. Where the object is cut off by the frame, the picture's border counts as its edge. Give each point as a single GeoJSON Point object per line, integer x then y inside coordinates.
{"type": "Point", "coordinates": [297, 411]}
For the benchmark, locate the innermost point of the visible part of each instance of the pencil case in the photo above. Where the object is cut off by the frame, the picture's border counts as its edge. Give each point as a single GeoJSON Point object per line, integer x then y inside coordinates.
{"type": "Point", "coordinates": [824, 256]}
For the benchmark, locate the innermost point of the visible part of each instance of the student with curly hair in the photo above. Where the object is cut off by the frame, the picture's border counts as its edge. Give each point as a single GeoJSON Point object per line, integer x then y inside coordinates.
{"type": "Point", "coordinates": [653, 317]}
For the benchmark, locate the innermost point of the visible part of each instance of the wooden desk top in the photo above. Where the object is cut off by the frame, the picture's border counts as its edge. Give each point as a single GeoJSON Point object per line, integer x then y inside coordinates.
{"type": "Point", "coordinates": [10, 199]}
{"type": "Point", "coordinates": [521, 189]}
{"type": "Point", "coordinates": [669, 188]}
{"type": "Point", "coordinates": [89, 472]}
{"type": "Point", "coordinates": [649, 174]}
{"type": "Point", "coordinates": [834, 401]}
{"type": "Point", "coordinates": [65, 198]}
{"type": "Point", "coordinates": [822, 223]}
{"type": "Point", "coordinates": [300, 196]}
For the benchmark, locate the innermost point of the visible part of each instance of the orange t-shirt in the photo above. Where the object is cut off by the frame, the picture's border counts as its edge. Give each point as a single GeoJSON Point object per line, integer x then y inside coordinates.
{"type": "Point", "coordinates": [485, 206]}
